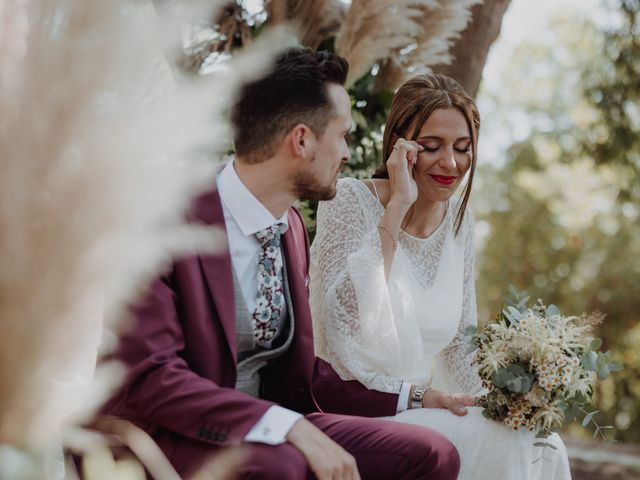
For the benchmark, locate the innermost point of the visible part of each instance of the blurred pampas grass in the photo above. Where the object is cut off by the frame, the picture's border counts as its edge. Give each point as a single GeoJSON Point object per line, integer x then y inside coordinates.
{"type": "Point", "coordinates": [374, 29]}
{"type": "Point", "coordinates": [406, 36]}
{"type": "Point", "coordinates": [440, 27]}
{"type": "Point", "coordinates": [313, 22]}
{"type": "Point", "coordinates": [102, 149]}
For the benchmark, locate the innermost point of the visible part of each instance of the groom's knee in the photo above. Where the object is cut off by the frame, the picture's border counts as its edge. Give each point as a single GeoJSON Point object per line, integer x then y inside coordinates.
{"type": "Point", "coordinates": [444, 459]}
{"type": "Point", "coordinates": [280, 462]}
{"type": "Point", "coordinates": [433, 455]}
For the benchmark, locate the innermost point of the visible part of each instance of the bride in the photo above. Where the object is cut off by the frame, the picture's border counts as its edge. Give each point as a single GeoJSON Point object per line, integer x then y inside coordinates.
{"type": "Point", "coordinates": [392, 285]}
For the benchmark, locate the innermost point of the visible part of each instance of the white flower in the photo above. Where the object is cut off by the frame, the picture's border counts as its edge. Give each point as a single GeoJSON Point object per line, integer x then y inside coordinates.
{"type": "Point", "coordinates": [536, 397]}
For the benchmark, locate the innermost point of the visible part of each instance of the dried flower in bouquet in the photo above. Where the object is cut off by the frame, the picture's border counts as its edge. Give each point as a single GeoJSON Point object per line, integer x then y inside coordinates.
{"type": "Point", "coordinates": [538, 365]}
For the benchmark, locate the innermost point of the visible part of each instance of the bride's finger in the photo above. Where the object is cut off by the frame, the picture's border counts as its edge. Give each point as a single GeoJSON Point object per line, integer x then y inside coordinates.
{"type": "Point", "coordinates": [465, 399]}
{"type": "Point", "coordinates": [415, 145]}
{"type": "Point", "coordinates": [407, 146]}
{"type": "Point", "coordinates": [454, 405]}
{"type": "Point", "coordinates": [411, 158]}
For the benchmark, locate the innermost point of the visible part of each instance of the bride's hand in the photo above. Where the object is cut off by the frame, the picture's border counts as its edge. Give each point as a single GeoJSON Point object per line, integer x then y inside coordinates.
{"type": "Point", "coordinates": [404, 190]}
{"type": "Point", "coordinates": [455, 402]}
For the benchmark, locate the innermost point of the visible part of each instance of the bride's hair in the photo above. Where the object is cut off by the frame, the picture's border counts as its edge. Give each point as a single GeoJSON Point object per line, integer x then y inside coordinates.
{"type": "Point", "coordinates": [413, 104]}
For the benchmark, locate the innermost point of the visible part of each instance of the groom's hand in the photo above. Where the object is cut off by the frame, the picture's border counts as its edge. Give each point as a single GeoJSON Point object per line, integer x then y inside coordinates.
{"type": "Point", "coordinates": [327, 459]}
{"type": "Point", "coordinates": [457, 403]}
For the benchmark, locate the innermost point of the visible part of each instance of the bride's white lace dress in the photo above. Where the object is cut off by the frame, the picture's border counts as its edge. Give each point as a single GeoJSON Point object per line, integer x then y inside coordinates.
{"type": "Point", "coordinates": [409, 329]}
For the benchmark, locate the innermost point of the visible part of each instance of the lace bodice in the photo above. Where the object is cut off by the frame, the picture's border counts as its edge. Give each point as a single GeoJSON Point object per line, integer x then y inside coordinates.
{"type": "Point", "coordinates": [385, 332]}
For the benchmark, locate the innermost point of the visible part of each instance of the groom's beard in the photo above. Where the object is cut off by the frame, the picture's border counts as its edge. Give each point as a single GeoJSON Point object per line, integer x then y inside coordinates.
{"type": "Point", "coordinates": [307, 187]}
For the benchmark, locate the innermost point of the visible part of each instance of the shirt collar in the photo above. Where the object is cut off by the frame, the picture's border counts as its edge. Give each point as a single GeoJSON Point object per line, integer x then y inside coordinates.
{"type": "Point", "coordinates": [247, 211]}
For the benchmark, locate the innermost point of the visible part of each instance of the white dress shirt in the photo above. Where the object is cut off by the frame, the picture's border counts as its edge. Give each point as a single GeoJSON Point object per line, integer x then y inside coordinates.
{"type": "Point", "coordinates": [244, 216]}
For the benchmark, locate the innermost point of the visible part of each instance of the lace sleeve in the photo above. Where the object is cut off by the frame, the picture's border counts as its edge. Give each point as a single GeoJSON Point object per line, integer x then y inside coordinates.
{"type": "Point", "coordinates": [458, 361]}
{"type": "Point", "coordinates": [351, 304]}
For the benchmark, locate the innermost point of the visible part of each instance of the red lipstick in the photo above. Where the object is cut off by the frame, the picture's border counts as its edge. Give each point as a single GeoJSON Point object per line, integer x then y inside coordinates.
{"type": "Point", "coordinates": [444, 179]}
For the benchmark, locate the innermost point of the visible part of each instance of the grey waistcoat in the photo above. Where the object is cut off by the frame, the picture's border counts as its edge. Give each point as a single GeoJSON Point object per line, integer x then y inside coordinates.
{"type": "Point", "coordinates": [251, 357]}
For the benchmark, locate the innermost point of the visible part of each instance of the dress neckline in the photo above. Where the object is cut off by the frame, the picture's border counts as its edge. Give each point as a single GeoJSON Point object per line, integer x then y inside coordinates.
{"type": "Point", "coordinates": [404, 233]}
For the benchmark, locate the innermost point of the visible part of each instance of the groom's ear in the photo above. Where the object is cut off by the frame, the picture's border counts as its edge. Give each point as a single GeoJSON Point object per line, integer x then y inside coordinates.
{"type": "Point", "coordinates": [300, 140]}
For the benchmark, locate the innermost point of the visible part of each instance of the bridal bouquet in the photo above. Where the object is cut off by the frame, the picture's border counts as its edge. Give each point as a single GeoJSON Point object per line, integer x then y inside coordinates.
{"type": "Point", "coordinates": [538, 365]}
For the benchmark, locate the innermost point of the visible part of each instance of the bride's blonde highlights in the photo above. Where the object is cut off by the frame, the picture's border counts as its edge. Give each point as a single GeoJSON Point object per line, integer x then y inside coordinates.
{"type": "Point", "coordinates": [413, 104]}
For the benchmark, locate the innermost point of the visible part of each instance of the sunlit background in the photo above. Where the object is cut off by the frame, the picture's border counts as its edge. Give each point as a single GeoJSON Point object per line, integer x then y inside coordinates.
{"type": "Point", "coordinates": [557, 195]}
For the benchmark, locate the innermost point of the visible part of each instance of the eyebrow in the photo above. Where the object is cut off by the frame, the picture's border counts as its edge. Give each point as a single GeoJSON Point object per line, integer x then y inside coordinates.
{"type": "Point", "coordinates": [435, 137]}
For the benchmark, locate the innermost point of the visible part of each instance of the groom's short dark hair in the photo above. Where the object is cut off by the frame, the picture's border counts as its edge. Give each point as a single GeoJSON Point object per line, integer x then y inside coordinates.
{"type": "Point", "coordinates": [294, 91]}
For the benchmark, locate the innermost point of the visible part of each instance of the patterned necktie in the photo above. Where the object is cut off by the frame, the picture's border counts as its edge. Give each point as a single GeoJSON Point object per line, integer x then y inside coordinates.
{"type": "Point", "coordinates": [270, 302]}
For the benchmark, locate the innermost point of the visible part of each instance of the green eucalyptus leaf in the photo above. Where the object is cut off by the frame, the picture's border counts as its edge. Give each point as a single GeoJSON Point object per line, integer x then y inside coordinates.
{"type": "Point", "coordinates": [615, 366]}
{"type": "Point", "coordinates": [516, 369]}
{"type": "Point", "coordinates": [509, 317]}
{"type": "Point", "coordinates": [500, 377]}
{"type": "Point", "coordinates": [580, 398]}
{"type": "Point", "coordinates": [514, 384]}
{"type": "Point", "coordinates": [515, 313]}
{"type": "Point", "coordinates": [596, 343]}
{"type": "Point", "coordinates": [589, 417]}
{"type": "Point", "coordinates": [603, 372]}
{"type": "Point", "coordinates": [522, 303]}
{"type": "Point", "coordinates": [590, 361]}
{"type": "Point", "coordinates": [552, 310]}
{"type": "Point", "coordinates": [571, 412]}
{"type": "Point", "coordinates": [544, 444]}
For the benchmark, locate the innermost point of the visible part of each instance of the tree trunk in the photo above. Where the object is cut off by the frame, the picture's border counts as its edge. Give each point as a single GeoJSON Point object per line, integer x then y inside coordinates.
{"type": "Point", "coordinates": [470, 51]}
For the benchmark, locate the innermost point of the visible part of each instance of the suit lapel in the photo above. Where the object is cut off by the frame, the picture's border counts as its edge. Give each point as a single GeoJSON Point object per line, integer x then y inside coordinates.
{"type": "Point", "coordinates": [294, 244]}
{"type": "Point", "coordinates": [217, 269]}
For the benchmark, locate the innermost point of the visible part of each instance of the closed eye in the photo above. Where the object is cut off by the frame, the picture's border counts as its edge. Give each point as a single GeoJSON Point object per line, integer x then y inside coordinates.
{"type": "Point", "coordinates": [427, 148]}
{"type": "Point", "coordinates": [465, 148]}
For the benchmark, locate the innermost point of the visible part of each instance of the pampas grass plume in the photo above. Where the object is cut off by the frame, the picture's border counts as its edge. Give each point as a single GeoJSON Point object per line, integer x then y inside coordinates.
{"type": "Point", "coordinates": [102, 149]}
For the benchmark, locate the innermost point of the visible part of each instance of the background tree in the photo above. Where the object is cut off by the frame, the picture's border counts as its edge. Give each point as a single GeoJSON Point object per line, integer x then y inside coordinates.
{"type": "Point", "coordinates": [385, 41]}
{"type": "Point", "coordinates": [469, 52]}
{"type": "Point", "coordinates": [560, 216]}
{"type": "Point", "coordinates": [613, 89]}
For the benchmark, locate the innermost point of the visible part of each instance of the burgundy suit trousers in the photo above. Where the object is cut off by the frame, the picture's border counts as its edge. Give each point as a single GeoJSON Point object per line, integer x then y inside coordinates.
{"type": "Point", "coordinates": [383, 451]}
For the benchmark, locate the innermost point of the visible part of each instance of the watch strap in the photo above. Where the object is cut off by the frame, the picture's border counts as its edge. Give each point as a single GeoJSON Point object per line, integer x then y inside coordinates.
{"type": "Point", "coordinates": [417, 395]}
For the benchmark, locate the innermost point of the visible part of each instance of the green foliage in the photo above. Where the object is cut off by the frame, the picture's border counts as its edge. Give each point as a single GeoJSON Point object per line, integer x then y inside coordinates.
{"type": "Point", "coordinates": [613, 89]}
{"type": "Point", "coordinates": [561, 215]}
{"type": "Point", "coordinates": [515, 377]}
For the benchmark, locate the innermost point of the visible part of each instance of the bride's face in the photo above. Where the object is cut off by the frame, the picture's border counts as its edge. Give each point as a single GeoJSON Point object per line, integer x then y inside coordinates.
{"type": "Point", "coordinates": [446, 158]}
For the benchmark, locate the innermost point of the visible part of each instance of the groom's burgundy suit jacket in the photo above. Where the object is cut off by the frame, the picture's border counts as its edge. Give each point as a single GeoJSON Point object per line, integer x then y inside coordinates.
{"type": "Point", "coordinates": [181, 353]}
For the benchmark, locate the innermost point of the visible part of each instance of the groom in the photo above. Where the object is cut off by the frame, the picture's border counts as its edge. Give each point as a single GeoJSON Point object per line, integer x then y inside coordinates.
{"type": "Point", "coordinates": [221, 352]}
